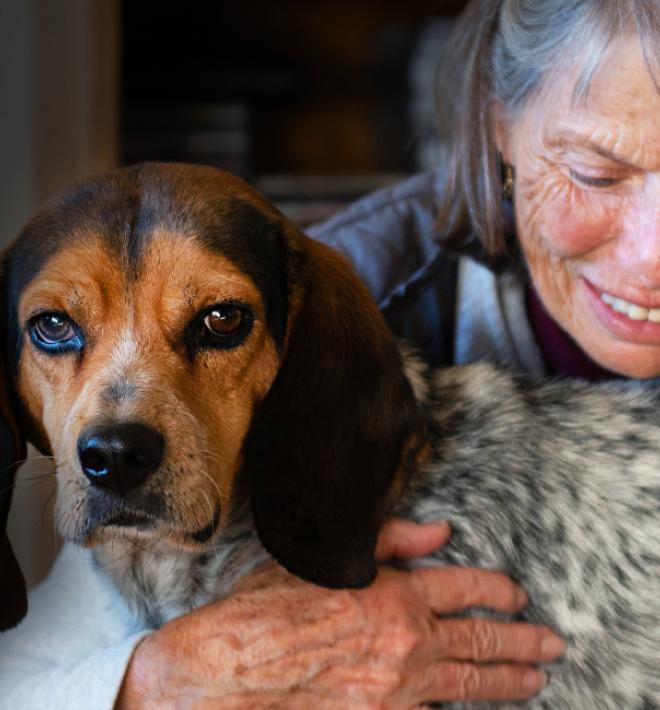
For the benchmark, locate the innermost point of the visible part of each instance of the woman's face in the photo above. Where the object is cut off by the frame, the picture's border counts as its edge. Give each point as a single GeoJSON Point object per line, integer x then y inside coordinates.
{"type": "Point", "coordinates": [587, 203]}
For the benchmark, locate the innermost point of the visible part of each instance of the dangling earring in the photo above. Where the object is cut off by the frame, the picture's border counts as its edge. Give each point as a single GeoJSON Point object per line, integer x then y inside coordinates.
{"type": "Point", "coordinates": [507, 185]}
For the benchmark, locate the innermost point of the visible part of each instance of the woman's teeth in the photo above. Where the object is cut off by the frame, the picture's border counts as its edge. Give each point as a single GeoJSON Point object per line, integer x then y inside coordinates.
{"type": "Point", "coordinates": [631, 310]}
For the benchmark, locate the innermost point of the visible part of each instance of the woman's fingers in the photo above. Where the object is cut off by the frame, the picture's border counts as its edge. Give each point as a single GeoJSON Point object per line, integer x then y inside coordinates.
{"type": "Point", "coordinates": [405, 540]}
{"type": "Point", "coordinates": [452, 589]}
{"type": "Point", "coordinates": [485, 641]}
{"type": "Point", "coordinates": [462, 681]}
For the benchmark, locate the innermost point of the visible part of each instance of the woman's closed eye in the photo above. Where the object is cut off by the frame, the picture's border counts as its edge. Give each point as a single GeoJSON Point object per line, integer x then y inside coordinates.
{"type": "Point", "coordinates": [597, 172]}
{"type": "Point", "coordinates": [595, 180]}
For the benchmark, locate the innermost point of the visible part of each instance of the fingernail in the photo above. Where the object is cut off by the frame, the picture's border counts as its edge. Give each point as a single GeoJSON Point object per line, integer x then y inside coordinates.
{"type": "Point", "coordinates": [552, 646]}
{"type": "Point", "coordinates": [521, 597]}
{"type": "Point", "coordinates": [534, 680]}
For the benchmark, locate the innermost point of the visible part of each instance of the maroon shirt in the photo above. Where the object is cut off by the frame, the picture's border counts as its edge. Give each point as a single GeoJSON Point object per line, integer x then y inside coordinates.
{"type": "Point", "coordinates": [561, 353]}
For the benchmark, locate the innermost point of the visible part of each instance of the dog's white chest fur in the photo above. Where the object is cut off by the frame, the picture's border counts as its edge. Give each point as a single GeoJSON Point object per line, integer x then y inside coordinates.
{"type": "Point", "coordinates": [160, 585]}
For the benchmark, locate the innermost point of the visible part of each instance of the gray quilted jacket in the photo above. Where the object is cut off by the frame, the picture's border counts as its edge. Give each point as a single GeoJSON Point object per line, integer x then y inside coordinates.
{"type": "Point", "coordinates": [452, 309]}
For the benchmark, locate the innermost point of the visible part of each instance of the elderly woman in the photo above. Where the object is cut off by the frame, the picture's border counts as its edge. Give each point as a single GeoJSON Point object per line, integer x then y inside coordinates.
{"type": "Point", "coordinates": [536, 244]}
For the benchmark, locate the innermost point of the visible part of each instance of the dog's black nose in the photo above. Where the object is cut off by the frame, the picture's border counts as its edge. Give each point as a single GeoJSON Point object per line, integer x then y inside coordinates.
{"type": "Point", "coordinates": [120, 456]}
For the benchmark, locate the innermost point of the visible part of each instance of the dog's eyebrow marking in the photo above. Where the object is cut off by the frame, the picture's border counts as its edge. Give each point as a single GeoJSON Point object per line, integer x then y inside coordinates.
{"type": "Point", "coordinates": [255, 242]}
{"type": "Point", "coordinates": [190, 294]}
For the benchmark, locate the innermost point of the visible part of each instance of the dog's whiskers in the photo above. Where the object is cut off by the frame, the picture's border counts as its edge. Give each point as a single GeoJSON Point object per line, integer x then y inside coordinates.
{"type": "Point", "coordinates": [34, 480]}
{"type": "Point", "coordinates": [211, 455]}
{"type": "Point", "coordinates": [20, 462]}
{"type": "Point", "coordinates": [211, 509]}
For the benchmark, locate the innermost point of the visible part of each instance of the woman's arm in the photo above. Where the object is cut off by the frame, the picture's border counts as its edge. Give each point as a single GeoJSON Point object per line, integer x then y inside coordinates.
{"type": "Point", "coordinates": [279, 641]}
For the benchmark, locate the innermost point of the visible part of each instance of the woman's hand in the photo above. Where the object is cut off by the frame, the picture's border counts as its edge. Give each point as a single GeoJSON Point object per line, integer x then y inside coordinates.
{"type": "Point", "coordinates": [280, 642]}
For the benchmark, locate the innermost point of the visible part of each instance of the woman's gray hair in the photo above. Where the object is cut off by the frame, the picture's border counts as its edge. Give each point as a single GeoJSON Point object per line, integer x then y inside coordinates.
{"type": "Point", "coordinates": [505, 52]}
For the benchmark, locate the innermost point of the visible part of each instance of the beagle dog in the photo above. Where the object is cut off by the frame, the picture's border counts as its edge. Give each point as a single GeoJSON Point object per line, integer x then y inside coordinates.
{"type": "Point", "coordinates": [179, 347]}
{"type": "Point", "coordinates": [216, 388]}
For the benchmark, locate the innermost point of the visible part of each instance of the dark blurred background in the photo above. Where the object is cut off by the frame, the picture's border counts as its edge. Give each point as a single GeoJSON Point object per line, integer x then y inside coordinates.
{"type": "Point", "coordinates": [314, 102]}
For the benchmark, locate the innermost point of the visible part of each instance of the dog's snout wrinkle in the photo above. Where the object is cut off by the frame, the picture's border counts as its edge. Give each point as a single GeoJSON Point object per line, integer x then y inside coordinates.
{"type": "Point", "coordinates": [119, 392]}
{"type": "Point", "coordinates": [120, 457]}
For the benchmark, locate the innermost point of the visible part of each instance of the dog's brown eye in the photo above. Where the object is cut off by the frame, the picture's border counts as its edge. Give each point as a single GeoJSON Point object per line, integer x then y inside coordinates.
{"type": "Point", "coordinates": [224, 320]}
{"type": "Point", "coordinates": [222, 326]}
{"type": "Point", "coordinates": [54, 328]}
{"type": "Point", "coordinates": [55, 333]}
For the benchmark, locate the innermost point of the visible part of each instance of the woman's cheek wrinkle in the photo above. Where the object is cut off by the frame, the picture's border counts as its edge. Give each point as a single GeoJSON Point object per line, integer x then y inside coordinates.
{"type": "Point", "coordinates": [538, 194]}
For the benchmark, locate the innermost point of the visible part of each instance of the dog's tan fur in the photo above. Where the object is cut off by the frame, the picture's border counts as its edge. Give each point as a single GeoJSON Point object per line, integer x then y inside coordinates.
{"type": "Point", "coordinates": [134, 329]}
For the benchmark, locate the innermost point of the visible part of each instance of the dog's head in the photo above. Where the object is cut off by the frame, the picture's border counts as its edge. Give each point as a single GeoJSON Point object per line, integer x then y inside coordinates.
{"type": "Point", "coordinates": [172, 340]}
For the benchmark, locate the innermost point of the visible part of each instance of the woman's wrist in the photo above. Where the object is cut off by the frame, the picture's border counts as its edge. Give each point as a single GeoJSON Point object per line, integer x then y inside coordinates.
{"type": "Point", "coordinates": [134, 689]}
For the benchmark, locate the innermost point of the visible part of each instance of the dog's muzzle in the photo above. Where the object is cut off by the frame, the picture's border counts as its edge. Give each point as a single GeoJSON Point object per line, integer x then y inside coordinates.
{"type": "Point", "coordinates": [120, 457]}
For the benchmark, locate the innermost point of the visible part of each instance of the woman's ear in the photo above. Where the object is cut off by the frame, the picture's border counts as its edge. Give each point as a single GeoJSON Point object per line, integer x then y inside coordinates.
{"type": "Point", "coordinates": [13, 596]}
{"type": "Point", "coordinates": [332, 444]}
{"type": "Point", "coordinates": [501, 127]}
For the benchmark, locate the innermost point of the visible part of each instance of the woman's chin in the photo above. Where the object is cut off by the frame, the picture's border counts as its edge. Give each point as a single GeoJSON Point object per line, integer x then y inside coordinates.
{"type": "Point", "coordinates": [635, 360]}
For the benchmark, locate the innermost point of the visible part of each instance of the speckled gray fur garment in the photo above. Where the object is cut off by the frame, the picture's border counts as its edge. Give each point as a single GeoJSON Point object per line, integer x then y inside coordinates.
{"type": "Point", "coordinates": [555, 483]}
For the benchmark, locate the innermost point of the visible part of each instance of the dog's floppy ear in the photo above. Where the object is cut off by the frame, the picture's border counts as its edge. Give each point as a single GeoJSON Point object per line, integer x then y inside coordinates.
{"type": "Point", "coordinates": [13, 596]}
{"type": "Point", "coordinates": [330, 446]}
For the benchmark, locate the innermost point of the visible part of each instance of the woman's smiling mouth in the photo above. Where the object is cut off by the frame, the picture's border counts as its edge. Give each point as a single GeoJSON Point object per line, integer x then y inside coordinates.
{"type": "Point", "coordinates": [632, 311]}
{"type": "Point", "coordinates": [627, 321]}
